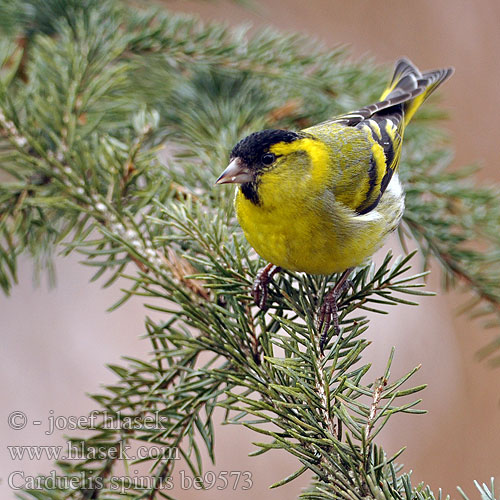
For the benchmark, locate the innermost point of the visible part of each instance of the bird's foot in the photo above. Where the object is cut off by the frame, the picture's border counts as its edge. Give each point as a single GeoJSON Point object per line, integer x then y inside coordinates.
{"type": "Point", "coordinates": [261, 283]}
{"type": "Point", "coordinates": [329, 311]}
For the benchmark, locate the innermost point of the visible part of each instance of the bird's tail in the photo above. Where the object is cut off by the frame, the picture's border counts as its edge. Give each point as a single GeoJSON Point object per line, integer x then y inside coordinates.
{"type": "Point", "coordinates": [409, 82]}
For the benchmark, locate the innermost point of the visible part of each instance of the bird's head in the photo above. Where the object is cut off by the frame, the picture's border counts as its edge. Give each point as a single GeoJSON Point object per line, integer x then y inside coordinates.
{"type": "Point", "coordinates": [264, 153]}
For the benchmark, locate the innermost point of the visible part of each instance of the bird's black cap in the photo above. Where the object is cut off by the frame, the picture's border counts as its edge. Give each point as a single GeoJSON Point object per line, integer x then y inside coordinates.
{"type": "Point", "coordinates": [251, 148]}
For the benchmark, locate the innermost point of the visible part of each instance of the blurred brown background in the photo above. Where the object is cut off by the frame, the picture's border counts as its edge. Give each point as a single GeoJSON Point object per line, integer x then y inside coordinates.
{"type": "Point", "coordinates": [55, 343]}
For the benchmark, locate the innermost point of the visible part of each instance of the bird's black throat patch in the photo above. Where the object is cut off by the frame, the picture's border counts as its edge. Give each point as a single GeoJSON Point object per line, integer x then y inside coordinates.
{"type": "Point", "coordinates": [250, 192]}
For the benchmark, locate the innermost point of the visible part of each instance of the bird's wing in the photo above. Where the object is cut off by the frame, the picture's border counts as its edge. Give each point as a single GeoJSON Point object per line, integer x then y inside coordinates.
{"type": "Point", "coordinates": [355, 117]}
{"type": "Point", "coordinates": [407, 83]}
{"type": "Point", "coordinates": [383, 124]}
{"type": "Point", "coordinates": [364, 169]}
{"type": "Point", "coordinates": [385, 136]}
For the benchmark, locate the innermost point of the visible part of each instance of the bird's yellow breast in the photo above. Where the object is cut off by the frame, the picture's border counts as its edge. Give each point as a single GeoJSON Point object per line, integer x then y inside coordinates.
{"type": "Point", "coordinates": [286, 237]}
{"type": "Point", "coordinates": [307, 235]}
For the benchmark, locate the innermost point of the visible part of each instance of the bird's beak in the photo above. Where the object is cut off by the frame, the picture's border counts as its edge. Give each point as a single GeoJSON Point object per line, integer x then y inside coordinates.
{"type": "Point", "coordinates": [236, 173]}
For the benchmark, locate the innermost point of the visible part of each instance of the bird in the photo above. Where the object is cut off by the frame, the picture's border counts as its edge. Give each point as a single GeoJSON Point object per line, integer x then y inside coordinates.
{"type": "Point", "coordinates": [323, 199]}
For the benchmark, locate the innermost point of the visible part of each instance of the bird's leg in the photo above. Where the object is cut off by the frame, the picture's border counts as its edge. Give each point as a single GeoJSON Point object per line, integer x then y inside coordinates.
{"type": "Point", "coordinates": [260, 285]}
{"type": "Point", "coordinates": [329, 310]}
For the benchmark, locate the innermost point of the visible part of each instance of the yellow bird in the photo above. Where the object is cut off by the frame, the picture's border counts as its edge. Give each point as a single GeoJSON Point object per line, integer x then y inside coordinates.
{"type": "Point", "coordinates": [324, 199]}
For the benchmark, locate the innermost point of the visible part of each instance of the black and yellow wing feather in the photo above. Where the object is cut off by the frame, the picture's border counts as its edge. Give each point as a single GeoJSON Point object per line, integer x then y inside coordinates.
{"type": "Point", "coordinates": [384, 123]}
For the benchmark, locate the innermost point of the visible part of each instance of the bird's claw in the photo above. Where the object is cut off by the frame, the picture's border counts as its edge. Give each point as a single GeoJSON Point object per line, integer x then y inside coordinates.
{"type": "Point", "coordinates": [328, 312]}
{"type": "Point", "coordinates": [259, 292]}
{"type": "Point", "coordinates": [261, 284]}
{"type": "Point", "coordinates": [329, 309]}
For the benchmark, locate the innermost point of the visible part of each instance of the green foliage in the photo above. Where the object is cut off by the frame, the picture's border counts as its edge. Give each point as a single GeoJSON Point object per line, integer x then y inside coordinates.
{"type": "Point", "coordinates": [457, 222]}
{"type": "Point", "coordinates": [487, 492]}
{"type": "Point", "coordinates": [29, 17]}
{"type": "Point", "coordinates": [112, 137]}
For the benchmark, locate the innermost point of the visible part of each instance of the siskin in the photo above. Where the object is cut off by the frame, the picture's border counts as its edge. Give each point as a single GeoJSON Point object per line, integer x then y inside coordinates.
{"type": "Point", "coordinates": [324, 199]}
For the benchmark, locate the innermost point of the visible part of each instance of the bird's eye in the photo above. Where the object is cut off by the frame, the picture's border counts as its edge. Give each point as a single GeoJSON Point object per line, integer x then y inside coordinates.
{"type": "Point", "coordinates": [268, 159]}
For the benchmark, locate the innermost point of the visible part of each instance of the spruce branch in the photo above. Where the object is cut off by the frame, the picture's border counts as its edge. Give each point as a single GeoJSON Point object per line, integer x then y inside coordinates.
{"type": "Point", "coordinates": [456, 222]}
